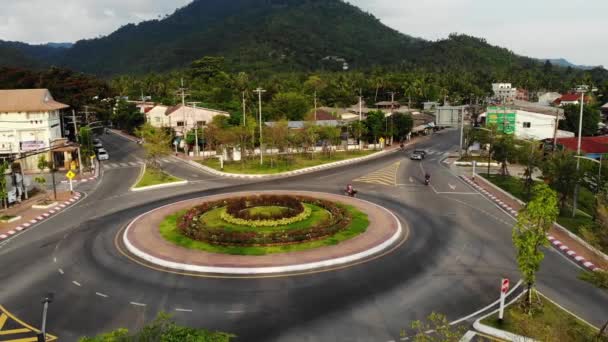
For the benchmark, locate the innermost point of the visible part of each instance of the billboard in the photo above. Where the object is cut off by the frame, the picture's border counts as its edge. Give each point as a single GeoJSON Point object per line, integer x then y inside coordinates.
{"type": "Point", "coordinates": [448, 116]}
{"type": "Point", "coordinates": [504, 119]}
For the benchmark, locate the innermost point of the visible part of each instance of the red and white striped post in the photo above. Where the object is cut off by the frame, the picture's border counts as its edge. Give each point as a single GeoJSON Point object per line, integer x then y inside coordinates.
{"type": "Point", "coordinates": [504, 288]}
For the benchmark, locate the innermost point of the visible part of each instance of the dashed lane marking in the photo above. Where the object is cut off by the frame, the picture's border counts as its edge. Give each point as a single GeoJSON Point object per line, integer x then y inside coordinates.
{"type": "Point", "coordinates": [76, 283]}
{"type": "Point", "coordinates": [60, 271]}
{"type": "Point", "coordinates": [101, 294]}
{"type": "Point", "coordinates": [183, 310]}
{"type": "Point", "coordinates": [384, 176]}
{"type": "Point", "coordinates": [137, 304]}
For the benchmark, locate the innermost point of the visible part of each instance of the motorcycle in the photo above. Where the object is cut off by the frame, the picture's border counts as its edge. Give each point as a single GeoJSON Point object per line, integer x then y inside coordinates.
{"type": "Point", "coordinates": [427, 180]}
{"type": "Point", "coordinates": [350, 192]}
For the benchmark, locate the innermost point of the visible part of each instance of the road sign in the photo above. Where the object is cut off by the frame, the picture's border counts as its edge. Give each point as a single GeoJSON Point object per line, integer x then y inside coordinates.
{"type": "Point", "coordinates": [70, 175]}
{"type": "Point", "coordinates": [504, 288]}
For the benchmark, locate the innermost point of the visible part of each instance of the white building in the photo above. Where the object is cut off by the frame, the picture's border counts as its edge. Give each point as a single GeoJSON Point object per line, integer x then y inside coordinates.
{"type": "Point", "coordinates": [546, 99]}
{"type": "Point", "coordinates": [504, 91]}
{"type": "Point", "coordinates": [30, 121]}
{"type": "Point", "coordinates": [531, 121]}
{"type": "Point", "coordinates": [182, 118]}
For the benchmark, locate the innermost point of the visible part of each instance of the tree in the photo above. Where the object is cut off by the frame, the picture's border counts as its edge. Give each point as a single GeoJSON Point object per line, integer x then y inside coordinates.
{"type": "Point", "coordinates": [437, 329]}
{"type": "Point", "coordinates": [290, 105]}
{"type": "Point", "coordinates": [163, 328]}
{"type": "Point", "coordinates": [403, 124]}
{"type": "Point", "coordinates": [157, 143]}
{"type": "Point", "coordinates": [3, 189]}
{"type": "Point", "coordinates": [331, 136]}
{"type": "Point", "coordinates": [591, 118]}
{"type": "Point", "coordinates": [86, 144]}
{"type": "Point", "coordinates": [315, 84]}
{"type": "Point", "coordinates": [374, 123]}
{"type": "Point", "coordinates": [358, 129]}
{"type": "Point", "coordinates": [530, 234]}
{"type": "Point", "coordinates": [530, 155]}
{"type": "Point", "coordinates": [503, 152]}
{"type": "Point", "coordinates": [309, 137]}
{"type": "Point", "coordinates": [207, 67]}
{"type": "Point", "coordinates": [277, 135]}
{"type": "Point", "coordinates": [126, 116]}
{"type": "Point", "coordinates": [560, 173]}
{"type": "Point", "coordinates": [42, 165]}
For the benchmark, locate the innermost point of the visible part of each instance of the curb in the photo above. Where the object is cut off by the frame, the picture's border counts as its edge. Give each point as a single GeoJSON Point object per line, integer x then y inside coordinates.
{"type": "Point", "coordinates": [122, 135]}
{"type": "Point", "coordinates": [554, 242]}
{"type": "Point", "coordinates": [262, 270]}
{"type": "Point", "coordinates": [42, 217]}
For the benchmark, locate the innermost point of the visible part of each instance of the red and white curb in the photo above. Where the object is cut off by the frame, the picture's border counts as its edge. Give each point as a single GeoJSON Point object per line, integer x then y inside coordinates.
{"type": "Point", "coordinates": [554, 242]}
{"type": "Point", "coordinates": [84, 180]}
{"type": "Point", "coordinates": [54, 211]}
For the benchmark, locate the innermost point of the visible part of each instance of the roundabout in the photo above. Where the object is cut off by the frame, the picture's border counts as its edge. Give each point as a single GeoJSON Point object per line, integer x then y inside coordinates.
{"type": "Point", "coordinates": [260, 233]}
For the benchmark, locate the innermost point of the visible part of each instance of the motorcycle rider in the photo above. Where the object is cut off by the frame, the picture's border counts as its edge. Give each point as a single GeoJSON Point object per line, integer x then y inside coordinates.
{"type": "Point", "coordinates": [350, 191]}
{"type": "Point", "coordinates": [427, 179]}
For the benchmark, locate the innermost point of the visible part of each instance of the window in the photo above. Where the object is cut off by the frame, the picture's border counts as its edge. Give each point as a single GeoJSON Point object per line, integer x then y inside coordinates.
{"type": "Point", "coordinates": [157, 119]}
{"type": "Point", "coordinates": [527, 124]}
{"type": "Point", "coordinates": [201, 123]}
{"type": "Point", "coordinates": [180, 124]}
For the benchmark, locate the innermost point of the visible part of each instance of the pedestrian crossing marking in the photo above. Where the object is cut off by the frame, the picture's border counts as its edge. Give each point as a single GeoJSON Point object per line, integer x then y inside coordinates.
{"type": "Point", "coordinates": [384, 176]}
{"type": "Point", "coordinates": [16, 330]}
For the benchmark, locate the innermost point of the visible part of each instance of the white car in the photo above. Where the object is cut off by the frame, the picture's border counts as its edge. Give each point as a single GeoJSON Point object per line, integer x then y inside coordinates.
{"type": "Point", "coordinates": [97, 145]}
{"type": "Point", "coordinates": [102, 154]}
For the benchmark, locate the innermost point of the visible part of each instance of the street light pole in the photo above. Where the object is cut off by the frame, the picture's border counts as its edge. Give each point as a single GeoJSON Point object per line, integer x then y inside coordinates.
{"type": "Point", "coordinates": [45, 301]}
{"type": "Point", "coordinates": [489, 147]}
{"type": "Point", "coordinates": [581, 89]}
{"type": "Point", "coordinates": [259, 91]}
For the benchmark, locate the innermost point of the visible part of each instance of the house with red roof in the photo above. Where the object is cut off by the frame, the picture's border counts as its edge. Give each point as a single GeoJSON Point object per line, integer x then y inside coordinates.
{"type": "Point", "coordinates": [570, 99]}
{"type": "Point", "coordinates": [592, 147]}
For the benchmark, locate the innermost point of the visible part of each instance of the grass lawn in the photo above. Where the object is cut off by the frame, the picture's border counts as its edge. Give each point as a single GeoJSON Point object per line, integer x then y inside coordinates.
{"type": "Point", "coordinates": [155, 177]}
{"type": "Point", "coordinates": [6, 217]}
{"type": "Point", "coordinates": [510, 184]}
{"type": "Point", "coordinates": [213, 219]}
{"type": "Point", "coordinates": [168, 229]}
{"type": "Point", "coordinates": [268, 211]}
{"type": "Point", "coordinates": [549, 323]}
{"type": "Point", "coordinates": [276, 164]}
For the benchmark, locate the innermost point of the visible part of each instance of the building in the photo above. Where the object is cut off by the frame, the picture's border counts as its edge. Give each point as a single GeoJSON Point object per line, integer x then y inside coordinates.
{"type": "Point", "coordinates": [388, 105]}
{"type": "Point", "coordinates": [592, 147]}
{"type": "Point", "coordinates": [504, 91]}
{"type": "Point", "coordinates": [31, 127]}
{"type": "Point", "coordinates": [526, 120]}
{"type": "Point", "coordinates": [604, 110]}
{"type": "Point", "coordinates": [547, 99]}
{"type": "Point", "coordinates": [181, 118]}
{"type": "Point", "coordinates": [570, 99]}
{"type": "Point", "coordinates": [430, 105]}
{"type": "Point", "coordinates": [522, 95]}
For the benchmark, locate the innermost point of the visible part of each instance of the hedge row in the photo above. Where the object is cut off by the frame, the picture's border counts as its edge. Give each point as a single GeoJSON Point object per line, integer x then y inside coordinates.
{"type": "Point", "coordinates": [266, 223]}
{"type": "Point", "coordinates": [191, 226]}
{"type": "Point", "coordinates": [238, 207]}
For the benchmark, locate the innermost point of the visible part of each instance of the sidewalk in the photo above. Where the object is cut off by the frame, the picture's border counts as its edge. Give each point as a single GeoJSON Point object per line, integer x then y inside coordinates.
{"type": "Point", "coordinates": [31, 216]}
{"type": "Point", "coordinates": [563, 240]}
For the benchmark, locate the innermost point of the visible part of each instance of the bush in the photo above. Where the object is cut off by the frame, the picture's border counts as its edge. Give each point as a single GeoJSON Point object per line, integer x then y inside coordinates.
{"type": "Point", "coordinates": [192, 226]}
{"type": "Point", "coordinates": [237, 208]}
{"type": "Point", "coordinates": [269, 222]}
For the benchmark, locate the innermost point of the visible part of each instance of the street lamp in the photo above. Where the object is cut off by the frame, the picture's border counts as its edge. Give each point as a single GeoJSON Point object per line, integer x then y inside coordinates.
{"type": "Point", "coordinates": [489, 147]}
{"type": "Point", "coordinates": [45, 301]}
{"type": "Point", "coordinates": [259, 91]}
{"type": "Point", "coordinates": [582, 89]}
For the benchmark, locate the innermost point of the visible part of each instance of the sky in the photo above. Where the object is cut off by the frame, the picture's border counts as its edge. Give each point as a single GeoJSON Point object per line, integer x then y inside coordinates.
{"type": "Point", "coordinates": [571, 29]}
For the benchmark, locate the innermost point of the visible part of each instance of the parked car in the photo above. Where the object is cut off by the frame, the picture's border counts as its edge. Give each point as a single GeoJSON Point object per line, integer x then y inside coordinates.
{"type": "Point", "coordinates": [102, 154]}
{"type": "Point", "coordinates": [97, 145]}
{"type": "Point", "coordinates": [96, 141]}
{"type": "Point", "coordinates": [417, 155]}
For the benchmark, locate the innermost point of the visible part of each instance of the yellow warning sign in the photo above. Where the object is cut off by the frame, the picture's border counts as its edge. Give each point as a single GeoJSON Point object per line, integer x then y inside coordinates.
{"type": "Point", "coordinates": [13, 329]}
{"type": "Point", "coordinates": [70, 175]}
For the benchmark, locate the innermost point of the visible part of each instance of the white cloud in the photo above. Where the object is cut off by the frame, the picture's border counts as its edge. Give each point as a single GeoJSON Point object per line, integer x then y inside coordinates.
{"type": "Point", "coordinates": [539, 28]}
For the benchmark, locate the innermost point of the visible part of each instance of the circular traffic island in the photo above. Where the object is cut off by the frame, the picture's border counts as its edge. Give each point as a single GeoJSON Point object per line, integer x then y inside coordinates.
{"type": "Point", "coordinates": [260, 233]}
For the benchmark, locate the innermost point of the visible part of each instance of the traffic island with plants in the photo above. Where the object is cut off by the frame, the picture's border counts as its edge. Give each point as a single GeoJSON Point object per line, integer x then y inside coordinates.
{"type": "Point", "coordinates": [152, 177]}
{"type": "Point", "coordinates": [282, 163]}
{"type": "Point", "coordinates": [263, 224]}
{"type": "Point", "coordinates": [545, 321]}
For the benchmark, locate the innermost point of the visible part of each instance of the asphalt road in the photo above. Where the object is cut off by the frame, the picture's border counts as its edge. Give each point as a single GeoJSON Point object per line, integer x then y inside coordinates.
{"type": "Point", "coordinates": [458, 249]}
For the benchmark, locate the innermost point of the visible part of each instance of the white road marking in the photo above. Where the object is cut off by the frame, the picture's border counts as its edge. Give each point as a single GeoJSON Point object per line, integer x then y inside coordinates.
{"type": "Point", "coordinates": [235, 311]}
{"type": "Point", "coordinates": [137, 304]}
{"type": "Point", "coordinates": [60, 271]}
{"type": "Point", "coordinates": [124, 164]}
{"type": "Point", "coordinates": [76, 283]}
{"type": "Point", "coordinates": [55, 260]}
{"type": "Point", "coordinates": [101, 294]}
{"type": "Point", "coordinates": [452, 186]}
{"type": "Point", "coordinates": [114, 165]}
{"type": "Point", "coordinates": [183, 310]}
{"type": "Point", "coordinates": [411, 180]}
{"type": "Point", "coordinates": [132, 164]}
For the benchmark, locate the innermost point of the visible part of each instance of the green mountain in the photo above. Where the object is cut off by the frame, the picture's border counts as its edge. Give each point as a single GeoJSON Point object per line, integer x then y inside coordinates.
{"type": "Point", "coordinates": [271, 35]}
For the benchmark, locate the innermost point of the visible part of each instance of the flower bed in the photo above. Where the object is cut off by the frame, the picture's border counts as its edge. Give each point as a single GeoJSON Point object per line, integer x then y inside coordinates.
{"type": "Point", "coordinates": [193, 227]}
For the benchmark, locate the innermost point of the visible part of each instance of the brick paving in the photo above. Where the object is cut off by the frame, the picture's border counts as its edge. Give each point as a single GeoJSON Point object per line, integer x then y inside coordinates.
{"type": "Point", "coordinates": [145, 236]}
{"type": "Point", "coordinates": [558, 238]}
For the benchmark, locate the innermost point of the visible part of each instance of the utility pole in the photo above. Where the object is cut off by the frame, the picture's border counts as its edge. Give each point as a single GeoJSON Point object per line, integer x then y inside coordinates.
{"type": "Point", "coordinates": [392, 93]}
{"type": "Point", "coordinates": [183, 94]}
{"type": "Point", "coordinates": [581, 89]}
{"type": "Point", "coordinates": [315, 106]}
{"type": "Point", "coordinates": [244, 114]}
{"type": "Point", "coordinates": [76, 136]}
{"type": "Point", "coordinates": [196, 148]}
{"type": "Point", "coordinates": [360, 106]}
{"type": "Point", "coordinates": [555, 131]}
{"type": "Point", "coordinates": [86, 114]}
{"type": "Point", "coordinates": [259, 91]}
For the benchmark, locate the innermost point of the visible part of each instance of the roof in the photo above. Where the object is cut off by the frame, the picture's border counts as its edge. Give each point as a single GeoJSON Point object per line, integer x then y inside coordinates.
{"type": "Point", "coordinates": [605, 106]}
{"type": "Point", "coordinates": [324, 115]}
{"type": "Point", "coordinates": [588, 144]}
{"type": "Point", "coordinates": [570, 97]}
{"type": "Point", "coordinates": [388, 103]}
{"type": "Point", "coordinates": [174, 109]}
{"type": "Point", "coordinates": [28, 100]}
{"type": "Point", "coordinates": [301, 124]}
